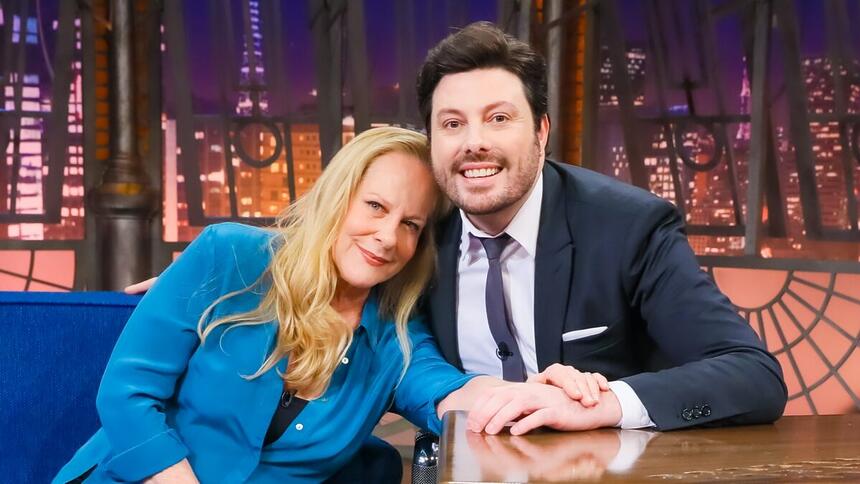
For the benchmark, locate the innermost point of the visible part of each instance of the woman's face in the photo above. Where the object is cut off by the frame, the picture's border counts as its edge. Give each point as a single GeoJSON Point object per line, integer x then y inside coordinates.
{"type": "Point", "coordinates": [386, 216]}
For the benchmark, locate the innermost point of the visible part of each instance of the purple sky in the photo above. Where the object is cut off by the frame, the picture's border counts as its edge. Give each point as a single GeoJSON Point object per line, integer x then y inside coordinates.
{"type": "Point", "coordinates": [435, 19]}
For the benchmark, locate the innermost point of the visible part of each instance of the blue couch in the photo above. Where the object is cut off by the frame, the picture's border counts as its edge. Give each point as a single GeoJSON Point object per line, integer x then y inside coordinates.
{"type": "Point", "coordinates": [53, 350]}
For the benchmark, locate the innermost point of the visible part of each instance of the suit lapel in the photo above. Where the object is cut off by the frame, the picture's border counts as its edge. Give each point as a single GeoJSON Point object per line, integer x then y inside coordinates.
{"type": "Point", "coordinates": [553, 269]}
{"type": "Point", "coordinates": [443, 293]}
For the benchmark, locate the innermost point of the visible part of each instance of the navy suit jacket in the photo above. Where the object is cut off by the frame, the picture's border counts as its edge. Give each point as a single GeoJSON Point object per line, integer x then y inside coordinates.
{"type": "Point", "coordinates": [610, 254]}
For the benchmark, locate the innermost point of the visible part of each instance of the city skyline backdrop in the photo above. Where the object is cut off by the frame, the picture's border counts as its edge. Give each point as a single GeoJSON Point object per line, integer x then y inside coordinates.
{"type": "Point", "coordinates": [807, 317]}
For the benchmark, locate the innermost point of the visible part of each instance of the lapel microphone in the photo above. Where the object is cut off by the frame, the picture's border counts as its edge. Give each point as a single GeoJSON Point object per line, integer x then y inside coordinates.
{"type": "Point", "coordinates": [502, 351]}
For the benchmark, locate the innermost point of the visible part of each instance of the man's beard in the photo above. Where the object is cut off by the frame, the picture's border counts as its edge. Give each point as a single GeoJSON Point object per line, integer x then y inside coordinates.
{"type": "Point", "coordinates": [518, 186]}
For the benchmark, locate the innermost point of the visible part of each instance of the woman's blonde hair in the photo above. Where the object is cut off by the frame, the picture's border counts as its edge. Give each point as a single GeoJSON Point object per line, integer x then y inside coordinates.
{"type": "Point", "coordinates": [304, 277]}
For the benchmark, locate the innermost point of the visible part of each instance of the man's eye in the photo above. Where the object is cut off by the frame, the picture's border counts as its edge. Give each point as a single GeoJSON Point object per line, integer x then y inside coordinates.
{"type": "Point", "coordinates": [500, 118]}
{"type": "Point", "coordinates": [452, 124]}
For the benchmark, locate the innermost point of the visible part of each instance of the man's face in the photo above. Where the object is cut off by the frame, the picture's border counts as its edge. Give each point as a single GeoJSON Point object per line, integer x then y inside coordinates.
{"type": "Point", "coordinates": [486, 151]}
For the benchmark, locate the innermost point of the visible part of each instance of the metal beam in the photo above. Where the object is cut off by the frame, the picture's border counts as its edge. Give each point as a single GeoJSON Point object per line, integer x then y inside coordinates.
{"type": "Point", "coordinates": [86, 272]}
{"type": "Point", "coordinates": [280, 99]}
{"type": "Point", "coordinates": [177, 55]}
{"type": "Point", "coordinates": [807, 265]}
{"type": "Point", "coordinates": [359, 75]}
{"type": "Point", "coordinates": [58, 120]}
{"type": "Point", "coordinates": [758, 126]}
{"type": "Point", "coordinates": [712, 72]}
{"type": "Point", "coordinates": [407, 110]}
{"type": "Point", "coordinates": [621, 79]}
{"type": "Point", "coordinates": [798, 115]}
{"type": "Point", "coordinates": [326, 30]}
{"type": "Point", "coordinates": [590, 89]}
{"type": "Point", "coordinates": [124, 201]}
{"type": "Point", "coordinates": [524, 21]}
{"type": "Point", "coordinates": [20, 60]}
{"type": "Point", "coordinates": [837, 45]}
{"type": "Point", "coordinates": [505, 11]}
{"type": "Point", "coordinates": [222, 21]}
{"type": "Point", "coordinates": [554, 46]}
{"type": "Point", "coordinates": [149, 47]}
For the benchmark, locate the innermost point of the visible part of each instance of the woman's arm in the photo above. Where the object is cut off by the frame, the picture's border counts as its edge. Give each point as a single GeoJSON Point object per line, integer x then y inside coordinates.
{"type": "Point", "coordinates": [150, 357]}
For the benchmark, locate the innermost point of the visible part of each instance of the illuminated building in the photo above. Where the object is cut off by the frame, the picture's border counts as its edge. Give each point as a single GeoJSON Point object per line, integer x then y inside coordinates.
{"type": "Point", "coordinates": [635, 71]}
{"type": "Point", "coordinates": [34, 106]}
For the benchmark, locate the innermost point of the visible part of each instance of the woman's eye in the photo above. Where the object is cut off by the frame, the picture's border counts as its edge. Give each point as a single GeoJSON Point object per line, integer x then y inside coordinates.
{"type": "Point", "coordinates": [374, 205]}
{"type": "Point", "coordinates": [413, 226]}
{"type": "Point", "coordinates": [452, 124]}
{"type": "Point", "coordinates": [500, 118]}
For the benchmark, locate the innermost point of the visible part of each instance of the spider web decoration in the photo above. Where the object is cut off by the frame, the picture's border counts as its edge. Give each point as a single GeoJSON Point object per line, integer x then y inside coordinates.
{"type": "Point", "coordinates": [811, 322]}
{"type": "Point", "coordinates": [37, 270]}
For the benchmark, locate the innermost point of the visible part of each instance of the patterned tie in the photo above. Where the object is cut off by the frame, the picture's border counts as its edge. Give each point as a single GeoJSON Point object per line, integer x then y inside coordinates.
{"type": "Point", "coordinates": [497, 313]}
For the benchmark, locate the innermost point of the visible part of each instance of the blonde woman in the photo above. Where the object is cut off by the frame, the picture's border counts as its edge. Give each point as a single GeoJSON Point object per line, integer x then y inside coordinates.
{"type": "Point", "coordinates": [311, 319]}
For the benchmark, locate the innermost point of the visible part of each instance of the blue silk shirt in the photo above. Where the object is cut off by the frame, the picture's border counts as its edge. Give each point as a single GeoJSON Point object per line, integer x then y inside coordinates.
{"type": "Point", "coordinates": [165, 397]}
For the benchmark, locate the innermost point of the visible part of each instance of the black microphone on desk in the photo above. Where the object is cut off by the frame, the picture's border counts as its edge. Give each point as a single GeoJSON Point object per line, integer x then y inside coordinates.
{"type": "Point", "coordinates": [503, 352]}
{"type": "Point", "coordinates": [425, 458]}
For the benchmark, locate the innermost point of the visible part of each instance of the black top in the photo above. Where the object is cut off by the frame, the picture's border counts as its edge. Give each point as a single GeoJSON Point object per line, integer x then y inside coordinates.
{"type": "Point", "coordinates": [287, 410]}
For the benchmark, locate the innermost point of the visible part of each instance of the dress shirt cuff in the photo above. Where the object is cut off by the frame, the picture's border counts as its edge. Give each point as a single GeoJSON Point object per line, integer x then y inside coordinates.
{"type": "Point", "coordinates": [634, 415]}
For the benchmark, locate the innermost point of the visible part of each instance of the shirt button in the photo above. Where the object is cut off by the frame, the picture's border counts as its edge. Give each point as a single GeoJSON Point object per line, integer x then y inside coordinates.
{"type": "Point", "coordinates": [345, 360]}
{"type": "Point", "coordinates": [299, 426]}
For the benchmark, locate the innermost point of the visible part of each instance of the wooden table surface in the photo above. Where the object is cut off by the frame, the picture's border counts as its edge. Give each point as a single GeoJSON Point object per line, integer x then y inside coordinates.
{"type": "Point", "coordinates": [794, 449]}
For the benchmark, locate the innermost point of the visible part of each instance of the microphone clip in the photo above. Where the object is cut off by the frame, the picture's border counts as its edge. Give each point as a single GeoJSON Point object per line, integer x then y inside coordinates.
{"type": "Point", "coordinates": [503, 352]}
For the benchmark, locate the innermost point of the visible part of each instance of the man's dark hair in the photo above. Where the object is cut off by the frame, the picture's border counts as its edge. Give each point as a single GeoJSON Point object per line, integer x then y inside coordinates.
{"type": "Point", "coordinates": [482, 45]}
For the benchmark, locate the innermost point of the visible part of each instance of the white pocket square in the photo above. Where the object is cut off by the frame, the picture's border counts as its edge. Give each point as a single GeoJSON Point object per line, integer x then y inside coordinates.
{"type": "Point", "coordinates": [582, 333]}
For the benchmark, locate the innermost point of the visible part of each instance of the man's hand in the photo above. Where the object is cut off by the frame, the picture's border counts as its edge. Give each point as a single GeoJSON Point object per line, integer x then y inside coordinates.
{"type": "Point", "coordinates": [582, 386]}
{"type": "Point", "coordinates": [573, 416]}
{"type": "Point", "coordinates": [140, 287]}
{"type": "Point", "coordinates": [540, 406]}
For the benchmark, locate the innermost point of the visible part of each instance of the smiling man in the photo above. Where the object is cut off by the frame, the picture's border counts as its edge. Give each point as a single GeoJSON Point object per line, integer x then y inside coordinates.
{"type": "Point", "coordinates": [546, 266]}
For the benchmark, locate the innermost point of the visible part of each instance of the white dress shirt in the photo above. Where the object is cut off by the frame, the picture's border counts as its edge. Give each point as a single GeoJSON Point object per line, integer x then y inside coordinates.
{"type": "Point", "coordinates": [476, 342]}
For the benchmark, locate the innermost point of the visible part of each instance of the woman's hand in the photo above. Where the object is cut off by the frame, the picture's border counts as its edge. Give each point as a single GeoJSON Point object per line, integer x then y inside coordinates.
{"type": "Point", "coordinates": [179, 473]}
{"type": "Point", "coordinates": [140, 287]}
{"type": "Point", "coordinates": [582, 386]}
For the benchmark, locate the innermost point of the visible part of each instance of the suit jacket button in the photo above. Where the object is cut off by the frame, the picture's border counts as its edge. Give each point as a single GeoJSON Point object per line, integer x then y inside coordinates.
{"type": "Point", "coordinates": [706, 410]}
{"type": "Point", "coordinates": [686, 414]}
{"type": "Point", "coordinates": [697, 412]}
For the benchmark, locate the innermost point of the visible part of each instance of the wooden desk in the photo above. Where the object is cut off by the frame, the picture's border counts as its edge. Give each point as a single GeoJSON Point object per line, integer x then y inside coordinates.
{"type": "Point", "coordinates": [794, 449]}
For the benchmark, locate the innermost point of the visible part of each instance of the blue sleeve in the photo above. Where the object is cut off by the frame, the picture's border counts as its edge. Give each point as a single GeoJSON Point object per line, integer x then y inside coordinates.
{"type": "Point", "coordinates": [150, 356]}
{"type": "Point", "coordinates": [428, 380]}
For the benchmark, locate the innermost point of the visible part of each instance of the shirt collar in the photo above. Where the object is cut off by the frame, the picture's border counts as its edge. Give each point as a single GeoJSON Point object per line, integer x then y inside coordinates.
{"type": "Point", "coordinates": [523, 227]}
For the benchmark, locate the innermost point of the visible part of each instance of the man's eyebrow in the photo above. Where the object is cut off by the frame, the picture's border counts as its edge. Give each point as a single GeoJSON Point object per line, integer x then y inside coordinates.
{"type": "Point", "coordinates": [500, 104]}
{"type": "Point", "coordinates": [489, 107]}
{"type": "Point", "coordinates": [447, 111]}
